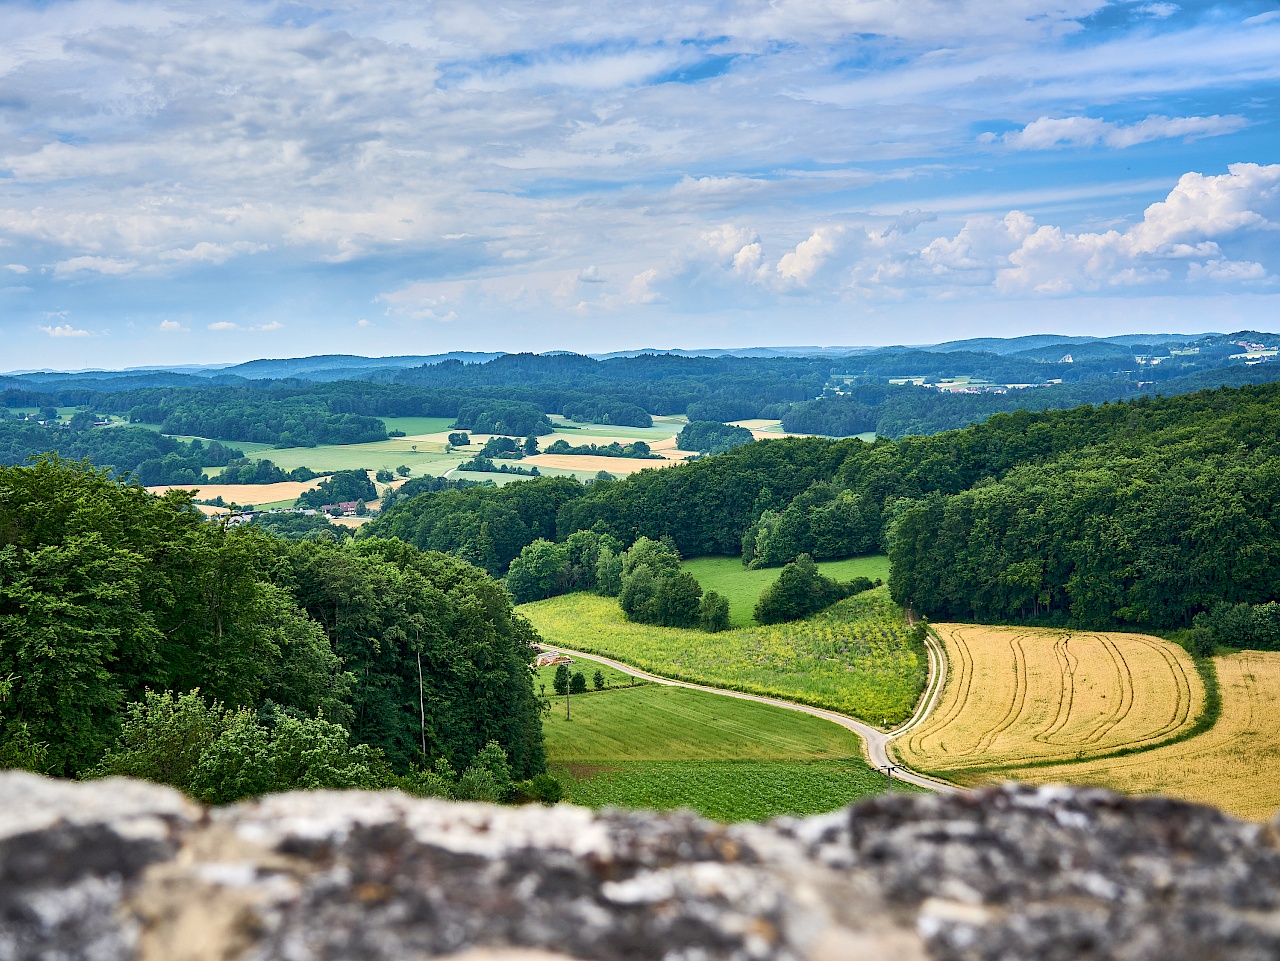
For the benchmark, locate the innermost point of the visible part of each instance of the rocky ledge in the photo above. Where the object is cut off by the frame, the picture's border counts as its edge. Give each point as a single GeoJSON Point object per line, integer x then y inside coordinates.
{"type": "Point", "coordinates": [118, 869]}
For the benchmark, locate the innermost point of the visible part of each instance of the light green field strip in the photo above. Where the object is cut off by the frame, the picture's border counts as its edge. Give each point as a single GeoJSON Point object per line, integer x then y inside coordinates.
{"type": "Point", "coordinates": [727, 791]}
{"type": "Point", "coordinates": [727, 576]}
{"type": "Point", "coordinates": [651, 722]}
{"type": "Point", "coordinates": [854, 658]}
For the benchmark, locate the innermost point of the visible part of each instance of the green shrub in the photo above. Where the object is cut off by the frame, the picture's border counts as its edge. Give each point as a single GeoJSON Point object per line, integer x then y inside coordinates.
{"type": "Point", "coordinates": [801, 590]}
{"type": "Point", "coordinates": [578, 683]}
{"type": "Point", "coordinates": [713, 614]}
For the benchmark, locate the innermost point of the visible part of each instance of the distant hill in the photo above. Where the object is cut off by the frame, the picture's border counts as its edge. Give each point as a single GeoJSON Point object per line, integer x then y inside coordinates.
{"type": "Point", "coordinates": [736, 352]}
{"type": "Point", "coordinates": [1030, 342]}
{"type": "Point", "coordinates": [343, 366]}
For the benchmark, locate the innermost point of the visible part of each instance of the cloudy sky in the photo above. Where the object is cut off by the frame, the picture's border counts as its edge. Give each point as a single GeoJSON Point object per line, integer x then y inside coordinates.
{"type": "Point", "coordinates": [210, 182]}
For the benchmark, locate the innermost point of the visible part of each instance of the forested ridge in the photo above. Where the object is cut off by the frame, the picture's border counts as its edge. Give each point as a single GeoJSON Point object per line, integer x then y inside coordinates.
{"type": "Point", "coordinates": [1142, 513]}
{"type": "Point", "coordinates": [108, 592]}
{"type": "Point", "coordinates": [514, 393]}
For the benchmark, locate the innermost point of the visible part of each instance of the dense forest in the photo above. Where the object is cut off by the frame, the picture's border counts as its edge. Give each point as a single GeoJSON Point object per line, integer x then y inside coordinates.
{"type": "Point", "coordinates": [152, 457]}
{"type": "Point", "coordinates": [1142, 513]}
{"type": "Point", "coordinates": [111, 593]}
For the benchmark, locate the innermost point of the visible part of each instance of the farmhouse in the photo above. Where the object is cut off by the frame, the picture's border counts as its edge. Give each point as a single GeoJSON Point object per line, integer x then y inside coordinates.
{"type": "Point", "coordinates": [551, 659]}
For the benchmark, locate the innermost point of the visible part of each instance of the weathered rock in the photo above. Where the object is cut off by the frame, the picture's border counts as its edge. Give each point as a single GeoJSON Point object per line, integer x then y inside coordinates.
{"type": "Point", "coordinates": [121, 870]}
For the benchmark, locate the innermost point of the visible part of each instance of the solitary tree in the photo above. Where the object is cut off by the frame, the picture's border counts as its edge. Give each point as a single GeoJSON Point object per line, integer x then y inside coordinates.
{"type": "Point", "coordinates": [403, 470]}
{"type": "Point", "coordinates": [597, 680]}
{"type": "Point", "coordinates": [560, 683]}
{"type": "Point", "coordinates": [578, 683]}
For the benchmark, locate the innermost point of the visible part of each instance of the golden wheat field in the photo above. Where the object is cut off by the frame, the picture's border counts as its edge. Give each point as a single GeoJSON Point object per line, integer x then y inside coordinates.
{"type": "Point", "coordinates": [1235, 765]}
{"type": "Point", "coordinates": [245, 493]}
{"type": "Point", "coordinates": [1015, 695]}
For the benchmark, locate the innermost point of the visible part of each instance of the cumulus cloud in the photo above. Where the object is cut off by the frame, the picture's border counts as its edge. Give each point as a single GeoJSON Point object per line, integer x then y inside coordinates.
{"type": "Point", "coordinates": [364, 322]}
{"type": "Point", "coordinates": [1048, 133]}
{"type": "Point", "coordinates": [16, 268]}
{"type": "Point", "coordinates": [1187, 228]}
{"type": "Point", "coordinates": [801, 264]}
{"type": "Point", "coordinates": [172, 327]}
{"type": "Point", "coordinates": [65, 330]}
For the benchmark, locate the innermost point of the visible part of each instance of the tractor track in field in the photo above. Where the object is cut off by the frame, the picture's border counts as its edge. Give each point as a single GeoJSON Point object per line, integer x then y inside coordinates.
{"type": "Point", "coordinates": [876, 743]}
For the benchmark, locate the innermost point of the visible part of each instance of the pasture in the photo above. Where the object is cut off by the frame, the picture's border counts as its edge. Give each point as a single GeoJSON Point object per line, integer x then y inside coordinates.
{"type": "Point", "coordinates": [728, 791]}
{"type": "Point", "coordinates": [742, 587]}
{"type": "Point", "coordinates": [1016, 695]}
{"type": "Point", "coordinates": [1231, 766]}
{"type": "Point", "coordinates": [856, 657]}
{"type": "Point", "coordinates": [654, 722]}
{"type": "Point", "coordinates": [663, 747]}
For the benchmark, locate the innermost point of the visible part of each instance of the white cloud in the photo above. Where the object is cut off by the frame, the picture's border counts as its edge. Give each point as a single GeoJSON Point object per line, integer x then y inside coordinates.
{"type": "Point", "coordinates": [16, 268]}
{"type": "Point", "coordinates": [364, 322]}
{"type": "Point", "coordinates": [65, 330]}
{"type": "Point", "coordinates": [1159, 10]}
{"type": "Point", "coordinates": [802, 263]}
{"type": "Point", "coordinates": [1229, 271]}
{"type": "Point", "coordinates": [172, 327]}
{"type": "Point", "coordinates": [590, 275]}
{"type": "Point", "coordinates": [98, 265]}
{"type": "Point", "coordinates": [223, 325]}
{"type": "Point", "coordinates": [1048, 133]}
{"type": "Point", "coordinates": [1188, 226]}
{"type": "Point", "coordinates": [640, 290]}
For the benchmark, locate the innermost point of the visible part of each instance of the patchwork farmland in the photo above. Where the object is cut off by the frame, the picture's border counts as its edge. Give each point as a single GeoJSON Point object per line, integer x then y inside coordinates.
{"type": "Point", "coordinates": [1232, 765]}
{"type": "Point", "coordinates": [1019, 696]}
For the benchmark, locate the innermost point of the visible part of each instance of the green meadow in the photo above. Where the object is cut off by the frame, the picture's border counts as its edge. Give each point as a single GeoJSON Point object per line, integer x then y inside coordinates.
{"type": "Point", "coordinates": [661, 747]}
{"type": "Point", "coordinates": [856, 657]}
{"type": "Point", "coordinates": [742, 587]}
{"type": "Point", "coordinates": [728, 791]}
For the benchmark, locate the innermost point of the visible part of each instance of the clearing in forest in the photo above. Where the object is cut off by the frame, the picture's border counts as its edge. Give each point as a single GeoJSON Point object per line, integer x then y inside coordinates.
{"type": "Point", "coordinates": [1016, 695]}
{"type": "Point", "coordinates": [857, 657]}
{"type": "Point", "coordinates": [742, 587]}
{"type": "Point", "coordinates": [1235, 765]}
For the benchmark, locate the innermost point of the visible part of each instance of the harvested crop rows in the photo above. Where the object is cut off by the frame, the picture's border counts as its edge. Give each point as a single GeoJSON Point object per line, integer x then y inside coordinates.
{"type": "Point", "coordinates": [1232, 765]}
{"type": "Point", "coordinates": [1019, 695]}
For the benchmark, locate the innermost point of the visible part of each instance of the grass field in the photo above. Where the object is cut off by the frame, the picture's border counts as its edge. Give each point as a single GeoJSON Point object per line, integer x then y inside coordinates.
{"type": "Point", "coordinates": [667, 747]}
{"type": "Point", "coordinates": [417, 426]}
{"type": "Point", "coordinates": [1235, 765]}
{"type": "Point", "coordinates": [1015, 695]}
{"type": "Point", "coordinates": [855, 657]}
{"type": "Point", "coordinates": [727, 790]}
{"type": "Point", "coordinates": [727, 576]}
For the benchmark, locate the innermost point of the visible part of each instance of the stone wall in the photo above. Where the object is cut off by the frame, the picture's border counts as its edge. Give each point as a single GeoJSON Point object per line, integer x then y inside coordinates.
{"type": "Point", "coordinates": [118, 869]}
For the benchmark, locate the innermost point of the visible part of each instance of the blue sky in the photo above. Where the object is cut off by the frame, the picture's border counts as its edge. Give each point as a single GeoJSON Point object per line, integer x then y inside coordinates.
{"type": "Point", "coordinates": [195, 182]}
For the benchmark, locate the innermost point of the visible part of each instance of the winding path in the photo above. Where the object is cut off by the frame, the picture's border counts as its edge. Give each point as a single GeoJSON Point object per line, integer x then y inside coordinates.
{"type": "Point", "coordinates": [876, 743]}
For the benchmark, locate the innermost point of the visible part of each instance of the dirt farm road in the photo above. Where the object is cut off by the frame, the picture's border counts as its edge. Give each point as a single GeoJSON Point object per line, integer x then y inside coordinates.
{"type": "Point", "coordinates": [876, 743]}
